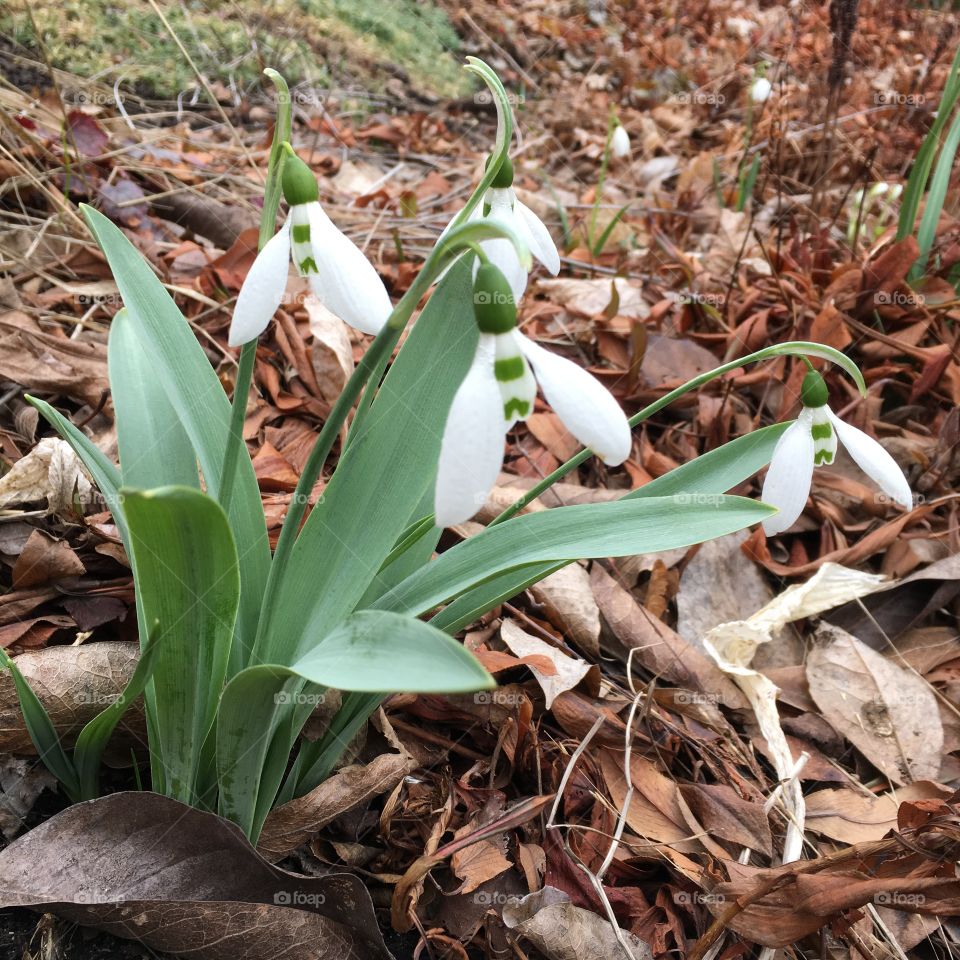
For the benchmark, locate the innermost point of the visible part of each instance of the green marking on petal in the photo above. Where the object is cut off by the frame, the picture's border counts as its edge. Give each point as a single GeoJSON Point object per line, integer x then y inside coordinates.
{"type": "Point", "coordinates": [822, 458]}
{"type": "Point", "coordinates": [515, 408]}
{"type": "Point", "coordinates": [301, 233]}
{"type": "Point", "coordinates": [821, 431]}
{"type": "Point", "coordinates": [511, 368]}
{"type": "Point", "coordinates": [308, 265]}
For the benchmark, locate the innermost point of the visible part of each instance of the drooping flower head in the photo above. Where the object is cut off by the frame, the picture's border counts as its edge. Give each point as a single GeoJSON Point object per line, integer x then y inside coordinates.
{"type": "Point", "coordinates": [501, 203]}
{"type": "Point", "coordinates": [619, 141]}
{"type": "Point", "coordinates": [340, 276]}
{"type": "Point", "coordinates": [812, 441]}
{"type": "Point", "coordinates": [760, 90]}
{"type": "Point", "coordinates": [499, 389]}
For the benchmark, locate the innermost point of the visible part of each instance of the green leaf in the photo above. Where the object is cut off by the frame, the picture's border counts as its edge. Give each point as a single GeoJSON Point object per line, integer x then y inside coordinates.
{"type": "Point", "coordinates": [194, 391]}
{"type": "Point", "coordinates": [258, 718]}
{"type": "Point", "coordinates": [713, 472]}
{"type": "Point", "coordinates": [187, 580]}
{"type": "Point", "coordinates": [155, 450]}
{"type": "Point", "coordinates": [379, 651]}
{"type": "Point", "coordinates": [381, 479]}
{"type": "Point", "coordinates": [96, 733]}
{"type": "Point", "coordinates": [42, 732]}
{"type": "Point", "coordinates": [615, 529]}
{"type": "Point", "coordinates": [927, 232]}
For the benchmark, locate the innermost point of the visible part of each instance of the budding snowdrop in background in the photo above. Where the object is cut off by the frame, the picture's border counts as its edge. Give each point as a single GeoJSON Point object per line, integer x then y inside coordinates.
{"type": "Point", "coordinates": [760, 90]}
{"type": "Point", "coordinates": [619, 141]}
{"type": "Point", "coordinates": [812, 441]}
{"type": "Point", "coordinates": [340, 276]}
{"type": "Point", "coordinates": [500, 389]}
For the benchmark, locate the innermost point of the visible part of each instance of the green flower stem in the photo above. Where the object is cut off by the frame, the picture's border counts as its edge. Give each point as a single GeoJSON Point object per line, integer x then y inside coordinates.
{"type": "Point", "coordinates": [793, 348]}
{"type": "Point", "coordinates": [248, 352]}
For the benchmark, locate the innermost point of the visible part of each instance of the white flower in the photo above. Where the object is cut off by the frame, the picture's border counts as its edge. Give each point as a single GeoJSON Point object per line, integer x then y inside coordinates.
{"type": "Point", "coordinates": [340, 276]}
{"type": "Point", "coordinates": [499, 390]}
{"type": "Point", "coordinates": [760, 91]}
{"type": "Point", "coordinates": [811, 441]}
{"type": "Point", "coordinates": [620, 141]}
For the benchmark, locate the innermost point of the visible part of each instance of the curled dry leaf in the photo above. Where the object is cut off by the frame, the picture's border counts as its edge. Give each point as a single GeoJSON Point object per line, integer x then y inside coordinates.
{"type": "Point", "coordinates": [563, 931]}
{"type": "Point", "coordinates": [21, 782]}
{"type": "Point", "coordinates": [852, 816]}
{"type": "Point", "coordinates": [44, 559]}
{"type": "Point", "coordinates": [568, 600]}
{"type": "Point", "coordinates": [569, 672]}
{"type": "Point", "coordinates": [51, 472]}
{"type": "Point", "coordinates": [886, 711]}
{"type": "Point", "coordinates": [332, 353]}
{"type": "Point", "coordinates": [73, 683]}
{"type": "Point", "coordinates": [179, 880]}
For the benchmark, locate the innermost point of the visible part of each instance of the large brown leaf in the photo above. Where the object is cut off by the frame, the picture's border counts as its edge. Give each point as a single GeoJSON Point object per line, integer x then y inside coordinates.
{"type": "Point", "coordinates": [148, 868]}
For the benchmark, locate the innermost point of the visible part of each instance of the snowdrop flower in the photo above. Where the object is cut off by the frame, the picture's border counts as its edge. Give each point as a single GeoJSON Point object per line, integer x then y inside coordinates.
{"type": "Point", "coordinates": [340, 276]}
{"type": "Point", "coordinates": [620, 141]}
{"type": "Point", "coordinates": [499, 389]}
{"type": "Point", "coordinates": [760, 91]}
{"type": "Point", "coordinates": [501, 203]}
{"type": "Point", "coordinates": [811, 441]}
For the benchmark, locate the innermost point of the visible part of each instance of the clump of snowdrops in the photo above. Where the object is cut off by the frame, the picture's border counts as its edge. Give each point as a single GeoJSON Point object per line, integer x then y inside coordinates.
{"type": "Point", "coordinates": [240, 644]}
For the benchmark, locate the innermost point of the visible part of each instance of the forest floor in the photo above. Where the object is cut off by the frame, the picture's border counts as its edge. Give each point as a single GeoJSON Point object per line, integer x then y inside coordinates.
{"type": "Point", "coordinates": [732, 225]}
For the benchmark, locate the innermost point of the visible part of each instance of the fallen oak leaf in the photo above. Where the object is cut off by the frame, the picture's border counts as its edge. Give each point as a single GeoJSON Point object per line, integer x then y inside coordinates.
{"type": "Point", "coordinates": [148, 868]}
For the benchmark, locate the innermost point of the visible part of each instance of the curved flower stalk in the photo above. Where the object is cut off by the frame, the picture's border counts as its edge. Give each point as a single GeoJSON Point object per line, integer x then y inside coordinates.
{"type": "Point", "coordinates": [338, 273]}
{"type": "Point", "coordinates": [499, 389]}
{"type": "Point", "coordinates": [812, 441]}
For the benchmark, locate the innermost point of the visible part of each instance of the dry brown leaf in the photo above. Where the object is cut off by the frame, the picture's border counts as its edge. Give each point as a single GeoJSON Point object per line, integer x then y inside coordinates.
{"type": "Point", "coordinates": [570, 606]}
{"type": "Point", "coordinates": [331, 352]}
{"type": "Point", "coordinates": [728, 816]}
{"type": "Point", "coordinates": [852, 816]}
{"type": "Point", "coordinates": [886, 711]}
{"type": "Point", "coordinates": [592, 297]}
{"type": "Point", "coordinates": [562, 931]}
{"type": "Point", "coordinates": [73, 683]}
{"type": "Point", "coordinates": [569, 672]}
{"type": "Point", "coordinates": [45, 559]}
{"type": "Point", "coordinates": [51, 471]}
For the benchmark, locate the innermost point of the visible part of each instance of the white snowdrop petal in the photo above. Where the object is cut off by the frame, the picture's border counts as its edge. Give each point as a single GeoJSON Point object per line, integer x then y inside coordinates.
{"type": "Point", "coordinates": [874, 461]}
{"type": "Point", "coordinates": [503, 254]}
{"type": "Point", "coordinates": [787, 483]}
{"type": "Point", "coordinates": [346, 281]}
{"type": "Point", "coordinates": [262, 289]}
{"type": "Point", "coordinates": [620, 141]}
{"type": "Point", "coordinates": [587, 409]}
{"type": "Point", "coordinates": [538, 238]}
{"type": "Point", "coordinates": [471, 453]}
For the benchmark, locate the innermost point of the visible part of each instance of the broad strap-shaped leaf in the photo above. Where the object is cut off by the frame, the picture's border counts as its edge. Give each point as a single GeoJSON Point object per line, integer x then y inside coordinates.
{"type": "Point", "coordinates": [155, 450]}
{"type": "Point", "coordinates": [614, 529]}
{"type": "Point", "coordinates": [713, 472]}
{"type": "Point", "coordinates": [195, 393]}
{"type": "Point", "coordinates": [381, 479]}
{"type": "Point", "coordinates": [371, 651]}
{"type": "Point", "coordinates": [188, 583]}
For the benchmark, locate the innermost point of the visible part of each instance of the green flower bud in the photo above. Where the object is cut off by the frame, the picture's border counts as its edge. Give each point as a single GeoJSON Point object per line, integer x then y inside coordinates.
{"type": "Point", "coordinates": [504, 177]}
{"type": "Point", "coordinates": [814, 393]}
{"type": "Point", "coordinates": [493, 304]}
{"type": "Point", "coordinates": [299, 183]}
